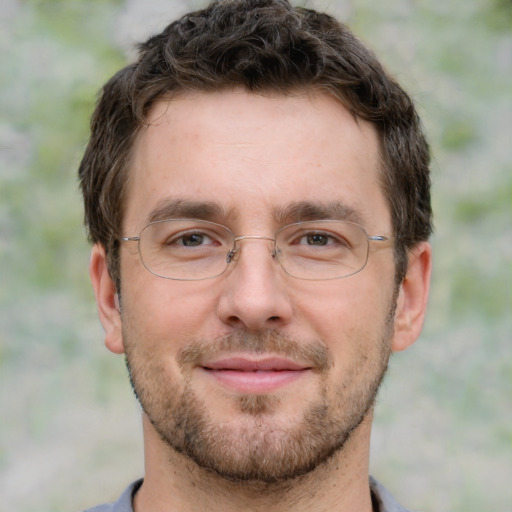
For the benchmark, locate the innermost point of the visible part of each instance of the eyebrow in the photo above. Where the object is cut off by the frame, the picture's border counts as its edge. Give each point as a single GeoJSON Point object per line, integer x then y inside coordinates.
{"type": "Point", "coordinates": [181, 208]}
{"type": "Point", "coordinates": [298, 211]}
{"type": "Point", "coordinates": [308, 210]}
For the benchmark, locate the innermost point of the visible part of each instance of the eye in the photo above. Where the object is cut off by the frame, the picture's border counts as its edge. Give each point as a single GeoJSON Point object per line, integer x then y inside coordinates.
{"type": "Point", "coordinates": [194, 239]}
{"type": "Point", "coordinates": [318, 240]}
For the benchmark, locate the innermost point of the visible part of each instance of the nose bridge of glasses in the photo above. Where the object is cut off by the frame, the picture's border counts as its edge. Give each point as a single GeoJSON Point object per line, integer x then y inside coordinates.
{"type": "Point", "coordinates": [231, 254]}
{"type": "Point", "coordinates": [254, 237]}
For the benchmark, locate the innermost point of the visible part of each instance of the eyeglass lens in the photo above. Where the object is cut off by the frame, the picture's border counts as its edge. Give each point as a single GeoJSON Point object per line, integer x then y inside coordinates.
{"type": "Point", "coordinates": [187, 249]}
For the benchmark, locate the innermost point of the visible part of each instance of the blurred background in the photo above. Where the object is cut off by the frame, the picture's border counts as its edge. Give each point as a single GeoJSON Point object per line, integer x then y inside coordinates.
{"type": "Point", "coordinates": [69, 427]}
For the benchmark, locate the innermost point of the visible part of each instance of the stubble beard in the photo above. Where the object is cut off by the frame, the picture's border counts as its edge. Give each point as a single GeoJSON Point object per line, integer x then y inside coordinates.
{"type": "Point", "coordinates": [256, 448]}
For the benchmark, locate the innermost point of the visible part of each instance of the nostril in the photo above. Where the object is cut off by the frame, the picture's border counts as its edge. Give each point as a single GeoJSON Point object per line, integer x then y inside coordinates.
{"type": "Point", "coordinates": [235, 320]}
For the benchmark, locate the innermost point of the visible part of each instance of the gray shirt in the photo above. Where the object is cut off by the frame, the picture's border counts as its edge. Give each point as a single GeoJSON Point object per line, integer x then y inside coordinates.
{"type": "Point", "coordinates": [381, 498]}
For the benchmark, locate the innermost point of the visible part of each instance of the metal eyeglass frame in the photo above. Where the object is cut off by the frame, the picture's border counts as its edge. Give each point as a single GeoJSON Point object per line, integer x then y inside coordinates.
{"type": "Point", "coordinates": [230, 255]}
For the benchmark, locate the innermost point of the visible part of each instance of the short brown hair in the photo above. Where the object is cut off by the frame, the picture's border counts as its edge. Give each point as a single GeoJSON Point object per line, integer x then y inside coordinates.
{"type": "Point", "coordinates": [260, 45]}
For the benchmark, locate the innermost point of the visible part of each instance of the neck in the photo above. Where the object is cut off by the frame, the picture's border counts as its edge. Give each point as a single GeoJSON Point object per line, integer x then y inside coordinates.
{"type": "Point", "coordinates": [175, 483]}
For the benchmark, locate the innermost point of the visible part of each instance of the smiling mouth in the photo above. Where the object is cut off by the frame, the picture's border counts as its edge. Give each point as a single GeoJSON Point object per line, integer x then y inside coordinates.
{"type": "Point", "coordinates": [255, 376]}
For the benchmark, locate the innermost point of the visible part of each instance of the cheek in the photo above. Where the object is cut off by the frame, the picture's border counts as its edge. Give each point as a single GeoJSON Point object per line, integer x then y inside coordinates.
{"type": "Point", "coordinates": [354, 308]}
{"type": "Point", "coordinates": [160, 311]}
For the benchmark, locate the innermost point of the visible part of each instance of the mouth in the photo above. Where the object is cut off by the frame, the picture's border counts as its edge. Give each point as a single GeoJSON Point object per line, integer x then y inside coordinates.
{"type": "Point", "coordinates": [255, 376]}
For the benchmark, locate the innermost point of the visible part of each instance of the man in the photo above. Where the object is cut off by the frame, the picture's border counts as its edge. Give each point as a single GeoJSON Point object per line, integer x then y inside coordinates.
{"type": "Point", "coordinates": [257, 192]}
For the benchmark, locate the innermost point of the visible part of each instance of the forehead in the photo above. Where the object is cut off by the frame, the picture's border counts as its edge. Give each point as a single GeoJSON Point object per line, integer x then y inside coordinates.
{"type": "Point", "coordinates": [254, 153]}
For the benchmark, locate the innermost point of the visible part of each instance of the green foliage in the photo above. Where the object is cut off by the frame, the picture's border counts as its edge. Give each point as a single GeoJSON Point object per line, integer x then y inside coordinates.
{"type": "Point", "coordinates": [498, 15]}
{"type": "Point", "coordinates": [61, 53]}
{"type": "Point", "coordinates": [458, 133]}
{"type": "Point", "coordinates": [485, 205]}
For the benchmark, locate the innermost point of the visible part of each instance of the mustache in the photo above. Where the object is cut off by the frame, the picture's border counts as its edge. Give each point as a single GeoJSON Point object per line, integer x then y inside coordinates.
{"type": "Point", "coordinates": [315, 353]}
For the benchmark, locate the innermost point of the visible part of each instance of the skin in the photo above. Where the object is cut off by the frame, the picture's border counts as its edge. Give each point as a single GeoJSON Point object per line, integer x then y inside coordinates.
{"type": "Point", "coordinates": [256, 156]}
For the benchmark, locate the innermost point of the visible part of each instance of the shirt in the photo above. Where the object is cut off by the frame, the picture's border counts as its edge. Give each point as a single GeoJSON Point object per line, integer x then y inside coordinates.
{"type": "Point", "coordinates": [382, 500]}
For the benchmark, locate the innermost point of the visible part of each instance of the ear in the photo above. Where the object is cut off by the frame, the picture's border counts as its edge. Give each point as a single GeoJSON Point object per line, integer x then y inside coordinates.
{"type": "Point", "coordinates": [413, 297]}
{"type": "Point", "coordinates": [106, 299]}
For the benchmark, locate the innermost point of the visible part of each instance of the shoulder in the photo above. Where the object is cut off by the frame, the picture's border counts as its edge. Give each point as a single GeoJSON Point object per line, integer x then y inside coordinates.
{"type": "Point", "coordinates": [123, 504]}
{"type": "Point", "coordinates": [106, 507]}
{"type": "Point", "coordinates": [382, 499]}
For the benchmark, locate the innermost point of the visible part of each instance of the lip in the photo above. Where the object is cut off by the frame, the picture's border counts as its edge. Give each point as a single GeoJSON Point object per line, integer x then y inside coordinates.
{"type": "Point", "coordinates": [257, 376]}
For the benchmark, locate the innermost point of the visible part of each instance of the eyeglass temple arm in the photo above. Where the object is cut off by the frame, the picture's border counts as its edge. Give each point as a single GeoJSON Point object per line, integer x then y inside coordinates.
{"type": "Point", "coordinates": [379, 238]}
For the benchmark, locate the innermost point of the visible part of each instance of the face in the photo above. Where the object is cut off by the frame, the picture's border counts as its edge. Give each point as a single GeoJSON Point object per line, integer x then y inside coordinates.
{"type": "Point", "coordinates": [255, 374]}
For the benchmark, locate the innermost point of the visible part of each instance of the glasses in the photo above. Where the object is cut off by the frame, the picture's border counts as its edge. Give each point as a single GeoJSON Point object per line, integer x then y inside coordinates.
{"type": "Point", "coordinates": [193, 250]}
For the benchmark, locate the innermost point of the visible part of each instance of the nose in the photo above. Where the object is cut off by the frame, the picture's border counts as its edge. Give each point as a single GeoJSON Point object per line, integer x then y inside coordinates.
{"type": "Point", "coordinates": [254, 294]}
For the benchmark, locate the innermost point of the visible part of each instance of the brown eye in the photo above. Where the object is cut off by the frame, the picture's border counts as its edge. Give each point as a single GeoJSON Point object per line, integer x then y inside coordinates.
{"type": "Point", "coordinates": [317, 239]}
